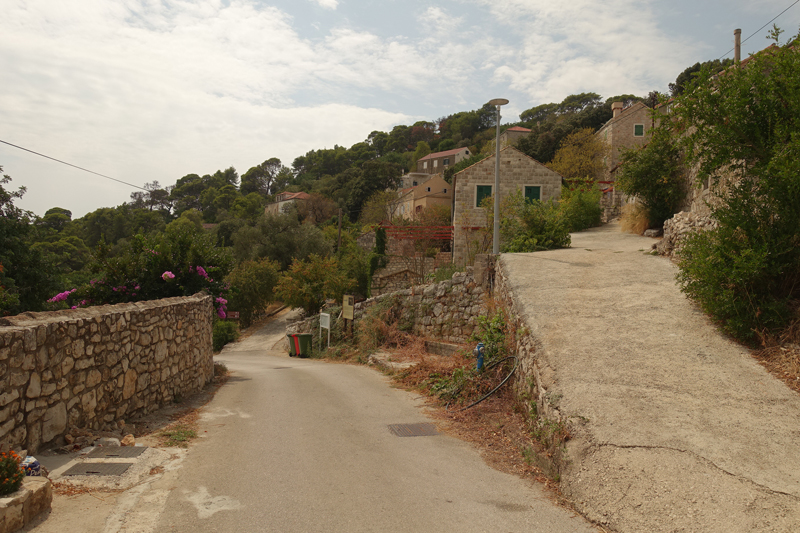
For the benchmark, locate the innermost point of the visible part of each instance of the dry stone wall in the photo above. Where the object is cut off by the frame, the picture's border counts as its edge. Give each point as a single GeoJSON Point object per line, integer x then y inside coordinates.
{"type": "Point", "coordinates": [93, 368]}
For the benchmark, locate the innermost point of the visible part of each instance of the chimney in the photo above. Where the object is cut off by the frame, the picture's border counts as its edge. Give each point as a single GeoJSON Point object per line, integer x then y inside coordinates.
{"type": "Point", "coordinates": [737, 46]}
{"type": "Point", "coordinates": [616, 109]}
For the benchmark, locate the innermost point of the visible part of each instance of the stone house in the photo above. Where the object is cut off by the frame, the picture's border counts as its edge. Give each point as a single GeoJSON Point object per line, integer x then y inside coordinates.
{"type": "Point", "coordinates": [629, 127]}
{"type": "Point", "coordinates": [283, 199]}
{"type": "Point", "coordinates": [512, 135]}
{"type": "Point", "coordinates": [412, 179]}
{"type": "Point", "coordinates": [518, 172]}
{"type": "Point", "coordinates": [437, 162]}
{"type": "Point", "coordinates": [434, 191]}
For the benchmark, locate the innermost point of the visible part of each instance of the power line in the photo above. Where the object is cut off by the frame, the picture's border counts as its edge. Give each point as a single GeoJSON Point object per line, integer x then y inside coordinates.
{"type": "Point", "coordinates": [76, 166]}
{"type": "Point", "coordinates": [761, 28]}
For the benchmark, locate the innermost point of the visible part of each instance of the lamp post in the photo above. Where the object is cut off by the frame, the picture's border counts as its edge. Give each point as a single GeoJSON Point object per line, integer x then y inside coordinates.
{"type": "Point", "coordinates": [496, 236]}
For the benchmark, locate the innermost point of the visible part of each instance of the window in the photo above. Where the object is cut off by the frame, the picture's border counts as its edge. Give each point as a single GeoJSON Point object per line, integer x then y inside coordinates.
{"type": "Point", "coordinates": [429, 189]}
{"type": "Point", "coordinates": [415, 184]}
{"type": "Point", "coordinates": [424, 164]}
{"type": "Point", "coordinates": [435, 163]}
{"type": "Point", "coordinates": [445, 191]}
{"type": "Point", "coordinates": [446, 161]}
{"type": "Point", "coordinates": [481, 192]}
{"type": "Point", "coordinates": [533, 192]}
{"type": "Point", "coordinates": [638, 130]}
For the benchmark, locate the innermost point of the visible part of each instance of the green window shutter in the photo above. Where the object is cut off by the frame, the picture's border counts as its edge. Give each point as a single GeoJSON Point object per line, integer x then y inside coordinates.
{"type": "Point", "coordinates": [481, 192]}
{"type": "Point", "coordinates": [533, 192]}
{"type": "Point", "coordinates": [638, 130]}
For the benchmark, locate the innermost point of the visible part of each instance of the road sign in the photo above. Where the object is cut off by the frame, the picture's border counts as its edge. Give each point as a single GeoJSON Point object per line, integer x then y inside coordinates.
{"type": "Point", "coordinates": [348, 301]}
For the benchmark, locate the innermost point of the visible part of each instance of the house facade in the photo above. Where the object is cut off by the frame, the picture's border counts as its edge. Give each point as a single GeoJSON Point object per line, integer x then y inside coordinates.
{"type": "Point", "coordinates": [434, 191]}
{"type": "Point", "coordinates": [283, 199]}
{"type": "Point", "coordinates": [518, 172]}
{"type": "Point", "coordinates": [628, 128]}
{"type": "Point", "coordinates": [437, 162]}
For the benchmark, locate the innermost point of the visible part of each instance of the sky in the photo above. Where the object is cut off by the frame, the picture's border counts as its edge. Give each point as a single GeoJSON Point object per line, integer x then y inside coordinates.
{"type": "Point", "coordinates": [152, 90]}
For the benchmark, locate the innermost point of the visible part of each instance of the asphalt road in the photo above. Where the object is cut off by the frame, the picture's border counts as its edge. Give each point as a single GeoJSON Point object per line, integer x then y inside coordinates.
{"type": "Point", "coordinates": [301, 445]}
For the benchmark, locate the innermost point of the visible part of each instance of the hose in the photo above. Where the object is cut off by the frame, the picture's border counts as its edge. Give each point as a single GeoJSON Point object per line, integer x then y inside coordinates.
{"type": "Point", "coordinates": [486, 369]}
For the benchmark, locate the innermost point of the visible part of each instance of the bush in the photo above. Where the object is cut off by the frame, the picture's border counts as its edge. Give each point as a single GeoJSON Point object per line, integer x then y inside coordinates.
{"type": "Point", "coordinates": [224, 332]}
{"type": "Point", "coordinates": [581, 208]}
{"type": "Point", "coordinates": [252, 288]}
{"type": "Point", "coordinates": [742, 131]}
{"type": "Point", "coordinates": [307, 284]}
{"type": "Point", "coordinates": [654, 174]}
{"type": "Point", "coordinates": [531, 226]}
{"type": "Point", "coordinates": [11, 474]}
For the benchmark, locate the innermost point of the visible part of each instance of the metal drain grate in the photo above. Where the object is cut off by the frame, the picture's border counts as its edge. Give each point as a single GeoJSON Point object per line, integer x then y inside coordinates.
{"type": "Point", "coordinates": [424, 429]}
{"type": "Point", "coordinates": [117, 451]}
{"type": "Point", "coordinates": [98, 469]}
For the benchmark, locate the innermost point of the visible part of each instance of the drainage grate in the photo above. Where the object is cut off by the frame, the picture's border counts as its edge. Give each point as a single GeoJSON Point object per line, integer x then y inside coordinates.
{"type": "Point", "coordinates": [117, 451]}
{"type": "Point", "coordinates": [424, 429]}
{"type": "Point", "coordinates": [98, 469]}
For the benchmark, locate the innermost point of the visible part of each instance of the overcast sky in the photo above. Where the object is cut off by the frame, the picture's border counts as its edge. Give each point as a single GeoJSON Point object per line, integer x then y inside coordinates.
{"type": "Point", "coordinates": [145, 90]}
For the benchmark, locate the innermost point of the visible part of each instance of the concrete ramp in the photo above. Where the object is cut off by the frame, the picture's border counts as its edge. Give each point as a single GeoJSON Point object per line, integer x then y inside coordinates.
{"type": "Point", "coordinates": [675, 427]}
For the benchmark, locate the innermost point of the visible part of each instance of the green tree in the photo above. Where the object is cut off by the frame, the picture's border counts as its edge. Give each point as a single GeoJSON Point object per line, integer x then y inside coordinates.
{"type": "Point", "coordinates": [307, 284]}
{"type": "Point", "coordinates": [29, 276]}
{"type": "Point", "coordinates": [579, 158]}
{"type": "Point", "coordinates": [655, 174]}
{"type": "Point", "coordinates": [252, 289]}
{"type": "Point", "coordinates": [261, 178]}
{"type": "Point", "coordinates": [742, 130]}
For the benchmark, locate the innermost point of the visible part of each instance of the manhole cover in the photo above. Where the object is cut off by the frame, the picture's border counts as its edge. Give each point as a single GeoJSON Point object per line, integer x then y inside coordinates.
{"type": "Point", "coordinates": [424, 429]}
{"type": "Point", "coordinates": [117, 451]}
{"type": "Point", "coordinates": [98, 469]}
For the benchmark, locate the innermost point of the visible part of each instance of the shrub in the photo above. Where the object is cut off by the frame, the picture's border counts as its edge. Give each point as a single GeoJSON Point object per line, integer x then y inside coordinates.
{"type": "Point", "coordinates": [307, 284]}
{"type": "Point", "coordinates": [742, 133]}
{"type": "Point", "coordinates": [654, 174]}
{"type": "Point", "coordinates": [252, 288]}
{"type": "Point", "coordinates": [581, 207]}
{"type": "Point", "coordinates": [634, 218]}
{"type": "Point", "coordinates": [11, 474]}
{"type": "Point", "coordinates": [531, 226]}
{"type": "Point", "coordinates": [224, 332]}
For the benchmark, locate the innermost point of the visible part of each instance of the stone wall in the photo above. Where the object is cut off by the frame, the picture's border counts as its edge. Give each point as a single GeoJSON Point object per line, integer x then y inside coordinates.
{"type": "Point", "coordinates": [93, 368]}
{"type": "Point", "coordinates": [444, 311]}
{"type": "Point", "coordinates": [403, 272]}
{"type": "Point", "coordinates": [677, 228]}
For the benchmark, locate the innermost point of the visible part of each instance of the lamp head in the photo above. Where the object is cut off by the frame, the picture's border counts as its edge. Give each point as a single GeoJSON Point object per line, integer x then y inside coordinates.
{"type": "Point", "coordinates": [498, 101]}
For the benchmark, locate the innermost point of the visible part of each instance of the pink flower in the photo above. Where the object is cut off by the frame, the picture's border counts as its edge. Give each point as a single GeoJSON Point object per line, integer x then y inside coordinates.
{"type": "Point", "coordinates": [202, 272]}
{"type": "Point", "coordinates": [222, 301]}
{"type": "Point", "coordinates": [136, 287]}
{"type": "Point", "coordinates": [221, 313]}
{"type": "Point", "coordinates": [166, 276]}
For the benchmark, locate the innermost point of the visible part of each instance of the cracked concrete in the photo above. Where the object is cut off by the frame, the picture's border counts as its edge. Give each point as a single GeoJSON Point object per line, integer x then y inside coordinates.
{"type": "Point", "coordinates": [675, 427]}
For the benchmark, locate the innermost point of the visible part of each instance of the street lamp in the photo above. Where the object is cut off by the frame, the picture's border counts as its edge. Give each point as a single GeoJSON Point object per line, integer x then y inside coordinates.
{"type": "Point", "coordinates": [496, 238]}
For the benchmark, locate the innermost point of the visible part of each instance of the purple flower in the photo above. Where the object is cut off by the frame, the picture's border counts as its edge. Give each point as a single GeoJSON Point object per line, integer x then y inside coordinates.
{"type": "Point", "coordinates": [136, 287]}
{"type": "Point", "coordinates": [221, 313]}
{"type": "Point", "coordinates": [74, 307]}
{"type": "Point", "coordinates": [202, 272]}
{"type": "Point", "coordinates": [60, 297]}
{"type": "Point", "coordinates": [166, 276]}
{"type": "Point", "coordinates": [222, 301]}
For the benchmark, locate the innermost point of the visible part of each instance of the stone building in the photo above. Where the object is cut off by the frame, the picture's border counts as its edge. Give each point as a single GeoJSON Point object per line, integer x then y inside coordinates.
{"type": "Point", "coordinates": [512, 135]}
{"type": "Point", "coordinates": [437, 162]}
{"type": "Point", "coordinates": [284, 199]}
{"type": "Point", "coordinates": [518, 172]}
{"type": "Point", "coordinates": [434, 191]}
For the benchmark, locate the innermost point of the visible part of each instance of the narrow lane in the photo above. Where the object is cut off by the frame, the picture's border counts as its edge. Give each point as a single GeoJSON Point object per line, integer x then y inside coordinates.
{"type": "Point", "coordinates": [299, 445]}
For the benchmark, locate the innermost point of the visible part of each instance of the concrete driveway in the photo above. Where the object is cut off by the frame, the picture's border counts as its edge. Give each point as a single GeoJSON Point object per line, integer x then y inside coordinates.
{"type": "Point", "coordinates": [676, 427]}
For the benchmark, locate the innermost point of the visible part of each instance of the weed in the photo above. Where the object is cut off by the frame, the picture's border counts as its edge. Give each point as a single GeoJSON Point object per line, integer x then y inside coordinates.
{"type": "Point", "coordinates": [178, 436]}
{"type": "Point", "coordinates": [220, 369]}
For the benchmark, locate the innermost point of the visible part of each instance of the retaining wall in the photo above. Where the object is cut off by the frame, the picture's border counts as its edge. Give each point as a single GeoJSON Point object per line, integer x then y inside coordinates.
{"type": "Point", "coordinates": [93, 368]}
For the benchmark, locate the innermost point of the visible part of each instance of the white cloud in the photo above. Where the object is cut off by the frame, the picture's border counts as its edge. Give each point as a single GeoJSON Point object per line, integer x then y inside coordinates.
{"type": "Point", "coordinates": [327, 4]}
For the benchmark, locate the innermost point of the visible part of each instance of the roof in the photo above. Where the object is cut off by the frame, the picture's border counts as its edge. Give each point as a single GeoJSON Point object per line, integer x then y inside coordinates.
{"type": "Point", "coordinates": [520, 129]}
{"type": "Point", "coordinates": [285, 197]}
{"type": "Point", "coordinates": [443, 154]}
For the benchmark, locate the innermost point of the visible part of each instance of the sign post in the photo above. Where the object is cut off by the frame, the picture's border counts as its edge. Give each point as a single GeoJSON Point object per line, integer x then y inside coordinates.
{"type": "Point", "coordinates": [348, 304]}
{"type": "Point", "coordinates": [325, 322]}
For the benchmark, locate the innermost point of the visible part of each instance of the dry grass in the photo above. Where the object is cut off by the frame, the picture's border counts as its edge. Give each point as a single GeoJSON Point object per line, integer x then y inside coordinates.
{"type": "Point", "coordinates": [634, 219]}
{"type": "Point", "coordinates": [781, 357]}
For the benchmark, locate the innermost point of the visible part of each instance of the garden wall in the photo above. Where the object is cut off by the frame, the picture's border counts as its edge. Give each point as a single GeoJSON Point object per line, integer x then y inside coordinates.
{"type": "Point", "coordinates": [444, 311]}
{"type": "Point", "coordinates": [93, 368]}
